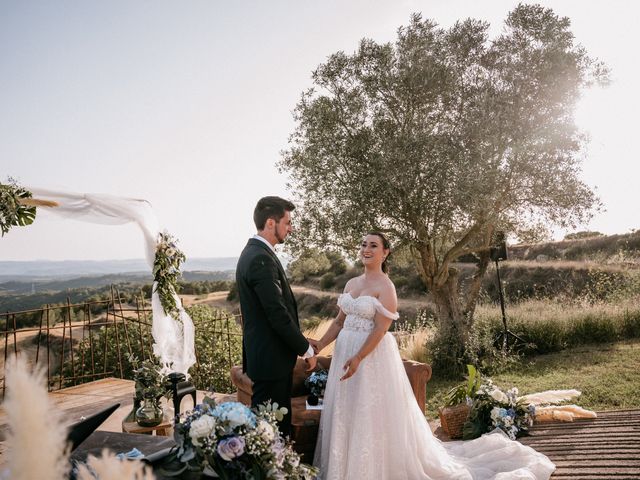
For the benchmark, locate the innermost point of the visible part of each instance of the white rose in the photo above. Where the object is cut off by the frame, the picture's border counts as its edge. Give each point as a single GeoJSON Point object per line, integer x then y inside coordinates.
{"type": "Point", "coordinates": [495, 413]}
{"type": "Point", "coordinates": [201, 428]}
{"type": "Point", "coordinates": [496, 395]}
{"type": "Point", "coordinates": [266, 430]}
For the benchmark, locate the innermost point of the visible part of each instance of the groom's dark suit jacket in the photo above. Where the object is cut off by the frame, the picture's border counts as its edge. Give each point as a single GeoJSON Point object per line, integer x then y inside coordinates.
{"type": "Point", "coordinates": [271, 331]}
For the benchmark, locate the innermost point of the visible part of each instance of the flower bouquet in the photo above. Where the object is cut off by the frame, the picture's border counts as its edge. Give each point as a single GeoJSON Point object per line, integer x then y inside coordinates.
{"type": "Point", "coordinates": [316, 383]}
{"type": "Point", "coordinates": [493, 408]}
{"type": "Point", "coordinates": [231, 441]}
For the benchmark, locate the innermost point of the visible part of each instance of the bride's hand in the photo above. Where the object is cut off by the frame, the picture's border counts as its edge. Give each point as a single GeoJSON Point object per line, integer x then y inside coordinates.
{"type": "Point", "coordinates": [351, 366]}
{"type": "Point", "coordinates": [316, 344]}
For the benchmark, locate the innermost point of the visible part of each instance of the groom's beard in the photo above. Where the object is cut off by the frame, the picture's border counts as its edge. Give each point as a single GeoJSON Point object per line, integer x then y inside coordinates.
{"type": "Point", "coordinates": [279, 238]}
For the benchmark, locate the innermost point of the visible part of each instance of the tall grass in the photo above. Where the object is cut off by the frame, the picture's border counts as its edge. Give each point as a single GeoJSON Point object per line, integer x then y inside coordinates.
{"type": "Point", "coordinates": [553, 325]}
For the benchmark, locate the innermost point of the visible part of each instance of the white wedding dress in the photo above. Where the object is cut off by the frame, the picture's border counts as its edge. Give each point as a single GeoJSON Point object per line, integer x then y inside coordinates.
{"type": "Point", "coordinates": [372, 428]}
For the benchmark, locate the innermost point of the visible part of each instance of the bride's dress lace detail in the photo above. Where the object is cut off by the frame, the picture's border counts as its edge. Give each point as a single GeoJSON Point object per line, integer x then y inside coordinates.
{"type": "Point", "coordinates": [372, 428]}
{"type": "Point", "coordinates": [360, 312]}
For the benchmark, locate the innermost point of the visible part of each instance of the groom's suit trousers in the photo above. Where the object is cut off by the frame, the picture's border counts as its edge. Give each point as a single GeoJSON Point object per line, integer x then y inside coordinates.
{"type": "Point", "coordinates": [275, 391]}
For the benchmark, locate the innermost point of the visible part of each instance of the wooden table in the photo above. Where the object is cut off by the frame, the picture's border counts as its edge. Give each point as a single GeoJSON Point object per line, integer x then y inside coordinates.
{"type": "Point", "coordinates": [163, 429]}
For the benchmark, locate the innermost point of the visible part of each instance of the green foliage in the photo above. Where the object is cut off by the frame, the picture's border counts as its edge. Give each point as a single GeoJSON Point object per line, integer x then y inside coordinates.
{"type": "Point", "coordinates": [12, 213]}
{"type": "Point", "coordinates": [112, 347]}
{"type": "Point", "coordinates": [440, 138]}
{"type": "Point", "coordinates": [551, 326]}
{"type": "Point", "coordinates": [218, 347]}
{"type": "Point", "coordinates": [582, 235]}
{"type": "Point", "coordinates": [311, 263]}
{"type": "Point", "coordinates": [607, 375]}
{"type": "Point", "coordinates": [233, 292]}
{"type": "Point", "coordinates": [166, 273]}
{"type": "Point", "coordinates": [327, 280]}
{"type": "Point", "coordinates": [150, 381]}
{"type": "Point", "coordinates": [204, 286]}
{"type": "Point", "coordinates": [605, 248]}
{"type": "Point", "coordinates": [467, 389]}
{"type": "Point", "coordinates": [312, 305]}
{"type": "Point", "coordinates": [311, 323]}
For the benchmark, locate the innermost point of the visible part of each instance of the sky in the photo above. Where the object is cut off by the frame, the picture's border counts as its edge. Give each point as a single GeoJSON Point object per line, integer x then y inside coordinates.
{"type": "Point", "coordinates": [189, 105]}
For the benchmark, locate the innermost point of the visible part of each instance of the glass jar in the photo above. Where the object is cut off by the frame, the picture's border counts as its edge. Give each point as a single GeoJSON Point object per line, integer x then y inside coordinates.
{"type": "Point", "coordinates": [149, 414]}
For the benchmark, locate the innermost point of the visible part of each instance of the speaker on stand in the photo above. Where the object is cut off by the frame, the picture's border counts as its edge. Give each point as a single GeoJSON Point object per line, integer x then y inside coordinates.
{"type": "Point", "coordinates": [498, 252]}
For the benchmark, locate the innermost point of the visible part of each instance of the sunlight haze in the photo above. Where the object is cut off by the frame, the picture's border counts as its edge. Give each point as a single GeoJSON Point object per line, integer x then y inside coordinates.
{"type": "Point", "coordinates": [188, 105]}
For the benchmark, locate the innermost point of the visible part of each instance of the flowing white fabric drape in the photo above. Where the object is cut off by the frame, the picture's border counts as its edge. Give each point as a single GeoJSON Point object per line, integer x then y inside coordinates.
{"type": "Point", "coordinates": [174, 344]}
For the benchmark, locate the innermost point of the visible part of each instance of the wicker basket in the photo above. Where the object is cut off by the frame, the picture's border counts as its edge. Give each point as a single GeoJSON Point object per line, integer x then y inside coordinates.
{"type": "Point", "coordinates": [452, 419]}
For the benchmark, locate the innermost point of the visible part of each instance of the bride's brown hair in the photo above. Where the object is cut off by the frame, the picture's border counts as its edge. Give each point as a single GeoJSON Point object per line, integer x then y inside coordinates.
{"type": "Point", "coordinates": [386, 245]}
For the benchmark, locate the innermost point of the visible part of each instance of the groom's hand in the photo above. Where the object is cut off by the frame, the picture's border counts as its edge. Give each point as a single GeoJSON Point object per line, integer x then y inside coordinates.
{"type": "Point", "coordinates": [311, 363]}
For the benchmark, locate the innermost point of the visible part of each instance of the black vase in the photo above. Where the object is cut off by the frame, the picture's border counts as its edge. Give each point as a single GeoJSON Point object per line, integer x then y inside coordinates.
{"type": "Point", "coordinates": [312, 400]}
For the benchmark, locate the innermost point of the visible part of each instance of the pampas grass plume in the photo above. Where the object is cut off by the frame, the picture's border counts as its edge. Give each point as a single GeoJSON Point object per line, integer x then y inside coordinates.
{"type": "Point", "coordinates": [110, 467]}
{"type": "Point", "coordinates": [36, 440]}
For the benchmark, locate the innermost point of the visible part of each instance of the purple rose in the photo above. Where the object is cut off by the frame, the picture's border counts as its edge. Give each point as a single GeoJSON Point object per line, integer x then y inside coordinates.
{"type": "Point", "coordinates": [230, 448]}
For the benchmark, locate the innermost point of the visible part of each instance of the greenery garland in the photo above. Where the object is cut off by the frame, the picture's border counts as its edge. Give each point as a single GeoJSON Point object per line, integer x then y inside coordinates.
{"type": "Point", "coordinates": [12, 212]}
{"type": "Point", "coordinates": [168, 257]}
{"type": "Point", "coordinates": [166, 273]}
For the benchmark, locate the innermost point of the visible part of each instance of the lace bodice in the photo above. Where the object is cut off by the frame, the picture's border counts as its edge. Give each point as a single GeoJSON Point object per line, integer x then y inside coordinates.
{"type": "Point", "coordinates": [360, 312]}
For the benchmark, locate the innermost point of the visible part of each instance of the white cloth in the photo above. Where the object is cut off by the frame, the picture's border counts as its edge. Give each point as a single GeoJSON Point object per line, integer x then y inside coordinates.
{"type": "Point", "coordinates": [372, 428]}
{"type": "Point", "coordinates": [550, 397]}
{"type": "Point", "coordinates": [174, 344]}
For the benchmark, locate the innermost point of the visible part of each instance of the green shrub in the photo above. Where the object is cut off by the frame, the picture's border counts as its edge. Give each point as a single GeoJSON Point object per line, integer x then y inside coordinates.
{"type": "Point", "coordinates": [218, 347]}
{"type": "Point", "coordinates": [327, 281]}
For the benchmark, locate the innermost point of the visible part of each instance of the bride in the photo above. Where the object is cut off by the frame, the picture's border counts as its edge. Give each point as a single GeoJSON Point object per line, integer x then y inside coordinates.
{"type": "Point", "coordinates": [371, 426]}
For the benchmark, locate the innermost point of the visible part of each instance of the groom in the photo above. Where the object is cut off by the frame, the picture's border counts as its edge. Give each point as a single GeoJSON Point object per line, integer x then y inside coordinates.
{"type": "Point", "coordinates": [271, 331]}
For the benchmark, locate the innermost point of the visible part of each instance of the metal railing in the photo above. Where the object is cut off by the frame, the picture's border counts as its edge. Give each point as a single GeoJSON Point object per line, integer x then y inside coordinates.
{"type": "Point", "coordinates": [81, 342]}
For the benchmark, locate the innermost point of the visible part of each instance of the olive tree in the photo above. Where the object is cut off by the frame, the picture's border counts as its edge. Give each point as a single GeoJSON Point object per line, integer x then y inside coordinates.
{"type": "Point", "coordinates": [439, 139]}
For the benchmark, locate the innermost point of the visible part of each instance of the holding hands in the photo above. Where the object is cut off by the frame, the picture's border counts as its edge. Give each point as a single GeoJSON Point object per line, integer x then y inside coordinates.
{"type": "Point", "coordinates": [311, 363]}
{"type": "Point", "coordinates": [317, 346]}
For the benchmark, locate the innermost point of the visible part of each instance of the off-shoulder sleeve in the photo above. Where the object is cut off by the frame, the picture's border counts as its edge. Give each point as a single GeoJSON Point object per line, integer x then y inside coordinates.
{"type": "Point", "coordinates": [341, 300]}
{"type": "Point", "coordinates": [380, 308]}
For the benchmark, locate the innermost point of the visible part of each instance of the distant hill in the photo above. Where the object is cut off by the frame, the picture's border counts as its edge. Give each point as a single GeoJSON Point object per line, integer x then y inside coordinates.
{"type": "Point", "coordinates": [621, 248]}
{"type": "Point", "coordinates": [42, 270]}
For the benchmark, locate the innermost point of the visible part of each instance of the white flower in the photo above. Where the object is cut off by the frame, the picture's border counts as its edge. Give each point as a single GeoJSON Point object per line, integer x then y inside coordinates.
{"type": "Point", "coordinates": [498, 395]}
{"type": "Point", "coordinates": [201, 428]}
{"type": "Point", "coordinates": [265, 430]}
{"type": "Point", "coordinates": [237, 417]}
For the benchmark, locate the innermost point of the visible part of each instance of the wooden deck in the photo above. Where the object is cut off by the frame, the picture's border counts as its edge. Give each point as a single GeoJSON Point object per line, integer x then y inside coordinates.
{"type": "Point", "coordinates": [607, 447]}
{"type": "Point", "coordinates": [88, 398]}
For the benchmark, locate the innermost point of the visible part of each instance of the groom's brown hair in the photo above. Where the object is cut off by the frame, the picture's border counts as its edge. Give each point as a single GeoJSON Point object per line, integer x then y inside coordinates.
{"type": "Point", "coordinates": [270, 207]}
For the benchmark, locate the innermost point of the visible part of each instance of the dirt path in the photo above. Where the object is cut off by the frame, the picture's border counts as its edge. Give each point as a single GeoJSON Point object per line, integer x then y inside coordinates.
{"type": "Point", "coordinates": [214, 299]}
{"type": "Point", "coordinates": [219, 299]}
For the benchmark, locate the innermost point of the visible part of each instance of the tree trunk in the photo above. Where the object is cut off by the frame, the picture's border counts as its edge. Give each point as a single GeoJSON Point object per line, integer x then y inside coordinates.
{"type": "Point", "coordinates": [449, 357]}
